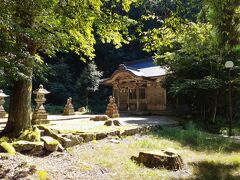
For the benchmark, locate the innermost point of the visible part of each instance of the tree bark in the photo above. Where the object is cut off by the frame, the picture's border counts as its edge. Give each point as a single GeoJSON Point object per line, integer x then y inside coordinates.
{"type": "Point", "coordinates": [20, 109]}
{"type": "Point", "coordinates": [86, 100]}
{"type": "Point", "coordinates": [215, 104]}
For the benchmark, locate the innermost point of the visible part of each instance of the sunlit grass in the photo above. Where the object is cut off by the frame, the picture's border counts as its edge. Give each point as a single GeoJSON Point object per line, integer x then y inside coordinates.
{"type": "Point", "coordinates": [198, 140]}
{"type": "Point", "coordinates": [220, 162]}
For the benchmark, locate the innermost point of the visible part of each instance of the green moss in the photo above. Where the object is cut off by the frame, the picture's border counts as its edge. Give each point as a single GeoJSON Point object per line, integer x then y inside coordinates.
{"type": "Point", "coordinates": [42, 175]}
{"type": "Point", "coordinates": [2, 139]}
{"type": "Point", "coordinates": [54, 142]}
{"type": "Point", "coordinates": [31, 135]}
{"type": "Point", "coordinates": [6, 147]}
{"type": "Point", "coordinates": [49, 140]}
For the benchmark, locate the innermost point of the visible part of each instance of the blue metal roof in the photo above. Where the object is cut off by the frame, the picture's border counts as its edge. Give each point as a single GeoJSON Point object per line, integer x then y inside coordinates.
{"type": "Point", "coordinates": [146, 63]}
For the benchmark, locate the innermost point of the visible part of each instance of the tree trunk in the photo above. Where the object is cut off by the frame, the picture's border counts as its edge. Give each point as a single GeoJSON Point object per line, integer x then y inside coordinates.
{"type": "Point", "coordinates": [20, 109]}
{"type": "Point", "coordinates": [86, 100]}
{"type": "Point", "coordinates": [230, 105]}
{"type": "Point", "coordinates": [215, 104]}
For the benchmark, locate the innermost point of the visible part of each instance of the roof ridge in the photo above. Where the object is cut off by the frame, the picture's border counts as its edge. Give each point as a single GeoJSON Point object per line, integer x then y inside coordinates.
{"type": "Point", "coordinates": [137, 61]}
{"type": "Point", "coordinates": [135, 69]}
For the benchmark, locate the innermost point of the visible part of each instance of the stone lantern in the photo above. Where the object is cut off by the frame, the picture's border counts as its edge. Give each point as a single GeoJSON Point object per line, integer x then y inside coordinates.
{"type": "Point", "coordinates": [39, 115]}
{"type": "Point", "coordinates": [112, 110]}
{"type": "Point", "coordinates": [69, 109]}
{"type": "Point", "coordinates": [2, 111]}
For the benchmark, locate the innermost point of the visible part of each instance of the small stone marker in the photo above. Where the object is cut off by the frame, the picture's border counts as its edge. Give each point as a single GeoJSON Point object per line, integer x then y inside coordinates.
{"type": "Point", "coordinates": [39, 115]}
{"type": "Point", "coordinates": [167, 159]}
{"type": "Point", "coordinates": [2, 111]}
{"type": "Point", "coordinates": [112, 122]}
{"type": "Point", "coordinates": [82, 109]}
{"type": "Point", "coordinates": [112, 110]}
{"type": "Point", "coordinates": [99, 118]}
{"type": "Point", "coordinates": [69, 109]}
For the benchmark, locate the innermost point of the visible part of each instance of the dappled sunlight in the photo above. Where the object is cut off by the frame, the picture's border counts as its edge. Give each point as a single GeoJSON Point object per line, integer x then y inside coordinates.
{"type": "Point", "coordinates": [216, 170]}
{"type": "Point", "coordinates": [199, 140]}
{"type": "Point", "coordinates": [116, 158]}
{"type": "Point", "coordinates": [149, 120]}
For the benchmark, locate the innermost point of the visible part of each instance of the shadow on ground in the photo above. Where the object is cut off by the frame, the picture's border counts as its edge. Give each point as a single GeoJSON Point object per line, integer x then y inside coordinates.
{"type": "Point", "coordinates": [150, 120]}
{"type": "Point", "coordinates": [198, 140]}
{"type": "Point", "coordinates": [212, 170]}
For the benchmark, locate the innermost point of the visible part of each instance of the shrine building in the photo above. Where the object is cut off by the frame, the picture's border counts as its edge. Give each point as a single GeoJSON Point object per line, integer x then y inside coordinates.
{"type": "Point", "coordinates": [136, 86]}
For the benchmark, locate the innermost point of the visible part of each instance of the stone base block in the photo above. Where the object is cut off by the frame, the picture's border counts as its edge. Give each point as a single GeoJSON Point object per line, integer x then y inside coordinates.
{"type": "Point", "coordinates": [2, 114]}
{"type": "Point", "coordinates": [39, 115]}
{"type": "Point", "coordinates": [40, 121]}
{"type": "Point", "coordinates": [68, 112]}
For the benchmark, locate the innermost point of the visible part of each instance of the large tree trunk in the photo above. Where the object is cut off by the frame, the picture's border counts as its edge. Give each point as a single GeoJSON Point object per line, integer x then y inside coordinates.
{"type": "Point", "coordinates": [20, 102]}
{"type": "Point", "coordinates": [20, 108]}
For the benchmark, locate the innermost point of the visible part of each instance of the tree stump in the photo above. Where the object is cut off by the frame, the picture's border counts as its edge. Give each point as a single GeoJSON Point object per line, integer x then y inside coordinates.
{"type": "Point", "coordinates": [167, 159]}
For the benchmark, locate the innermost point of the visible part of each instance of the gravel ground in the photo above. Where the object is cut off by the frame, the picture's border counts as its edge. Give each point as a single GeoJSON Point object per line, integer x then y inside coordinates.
{"type": "Point", "coordinates": [57, 166]}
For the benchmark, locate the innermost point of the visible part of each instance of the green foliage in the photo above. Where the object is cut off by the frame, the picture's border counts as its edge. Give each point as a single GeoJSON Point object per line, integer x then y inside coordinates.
{"type": "Point", "coordinates": [60, 82]}
{"type": "Point", "coordinates": [194, 52]}
{"type": "Point", "coordinates": [225, 18]}
{"type": "Point", "coordinates": [30, 27]}
{"type": "Point", "coordinates": [90, 78]}
{"type": "Point", "coordinates": [54, 109]}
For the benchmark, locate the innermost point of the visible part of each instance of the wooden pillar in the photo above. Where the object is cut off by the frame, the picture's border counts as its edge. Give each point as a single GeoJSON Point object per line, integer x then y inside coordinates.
{"type": "Point", "coordinates": [113, 93]}
{"type": "Point", "coordinates": [165, 99]}
{"type": "Point", "coordinates": [137, 94]}
{"type": "Point", "coordinates": [118, 98]}
{"type": "Point", "coordinates": [128, 99]}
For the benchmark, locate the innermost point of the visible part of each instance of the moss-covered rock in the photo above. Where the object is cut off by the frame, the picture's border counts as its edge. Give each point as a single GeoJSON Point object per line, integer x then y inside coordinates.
{"type": "Point", "coordinates": [32, 135]}
{"type": "Point", "coordinates": [49, 132]}
{"type": "Point", "coordinates": [4, 139]}
{"type": "Point", "coordinates": [108, 123]}
{"type": "Point", "coordinates": [70, 140]}
{"type": "Point", "coordinates": [7, 147]}
{"type": "Point", "coordinates": [50, 144]}
{"type": "Point", "coordinates": [116, 122]}
{"type": "Point", "coordinates": [24, 146]}
{"type": "Point", "coordinates": [88, 136]}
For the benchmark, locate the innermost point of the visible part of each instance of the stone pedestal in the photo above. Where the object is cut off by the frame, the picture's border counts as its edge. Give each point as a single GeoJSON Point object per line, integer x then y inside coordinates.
{"type": "Point", "coordinates": [112, 110]}
{"type": "Point", "coordinates": [2, 111]}
{"type": "Point", "coordinates": [40, 115]}
{"type": "Point", "coordinates": [69, 109]}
